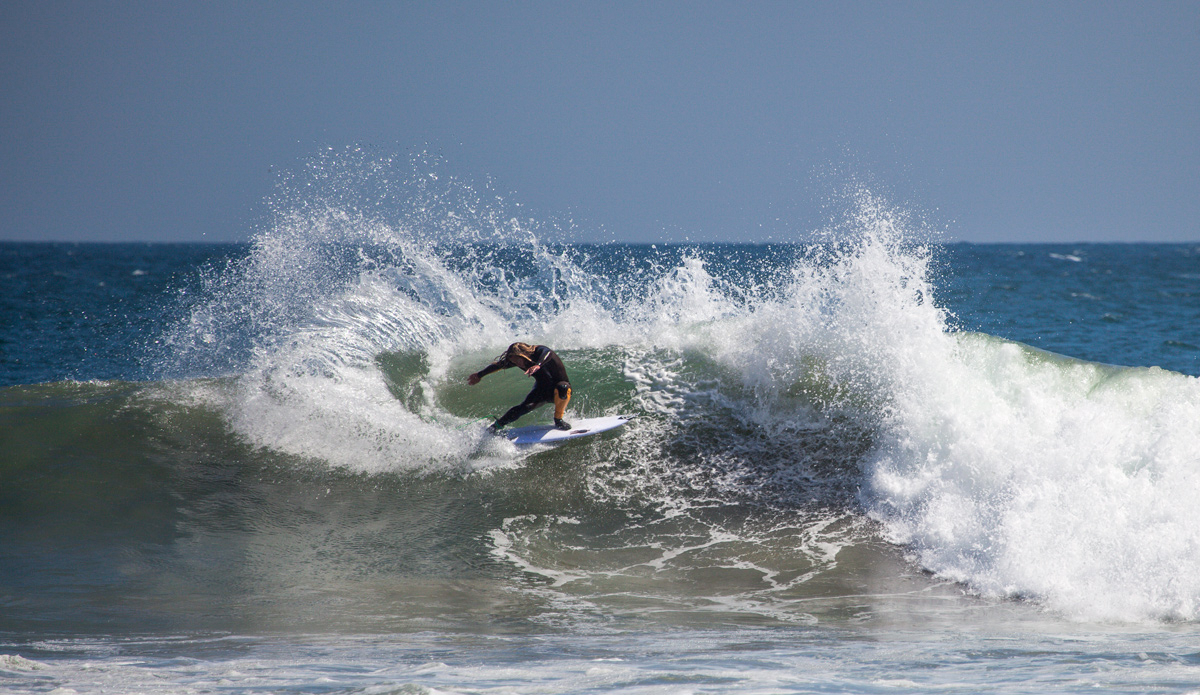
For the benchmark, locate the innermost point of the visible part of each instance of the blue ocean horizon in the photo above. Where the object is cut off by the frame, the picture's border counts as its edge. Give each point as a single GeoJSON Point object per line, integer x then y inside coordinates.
{"type": "Point", "coordinates": [89, 310]}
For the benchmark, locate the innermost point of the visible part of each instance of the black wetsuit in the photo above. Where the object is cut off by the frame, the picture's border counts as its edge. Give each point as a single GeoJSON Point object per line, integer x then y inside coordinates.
{"type": "Point", "coordinates": [550, 378]}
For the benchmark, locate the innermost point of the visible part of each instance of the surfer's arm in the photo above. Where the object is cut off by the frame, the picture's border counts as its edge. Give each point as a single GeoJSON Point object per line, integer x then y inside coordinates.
{"type": "Point", "coordinates": [493, 367]}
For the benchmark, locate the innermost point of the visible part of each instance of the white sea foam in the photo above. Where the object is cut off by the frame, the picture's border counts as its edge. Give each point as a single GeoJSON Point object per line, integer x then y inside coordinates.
{"type": "Point", "coordinates": [1015, 472]}
{"type": "Point", "coordinates": [1030, 475]}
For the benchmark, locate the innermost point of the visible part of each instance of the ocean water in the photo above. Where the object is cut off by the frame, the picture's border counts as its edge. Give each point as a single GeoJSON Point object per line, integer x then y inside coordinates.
{"type": "Point", "coordinates": [863, 462]}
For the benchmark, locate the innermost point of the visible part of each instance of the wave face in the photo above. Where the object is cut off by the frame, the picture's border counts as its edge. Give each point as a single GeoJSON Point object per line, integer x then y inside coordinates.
{"type": "Point", "coordinates": [796, 403]}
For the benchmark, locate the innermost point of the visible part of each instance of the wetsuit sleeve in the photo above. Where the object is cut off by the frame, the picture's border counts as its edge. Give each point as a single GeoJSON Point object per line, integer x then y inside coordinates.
{"type": "Point", "coordinates": [494, 367]}
{"type": "Point", "coordinates": [540, 354]}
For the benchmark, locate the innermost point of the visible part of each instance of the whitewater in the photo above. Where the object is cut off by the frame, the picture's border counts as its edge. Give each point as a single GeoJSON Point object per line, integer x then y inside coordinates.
{"type": "Point", "coordinates": [864, 461]}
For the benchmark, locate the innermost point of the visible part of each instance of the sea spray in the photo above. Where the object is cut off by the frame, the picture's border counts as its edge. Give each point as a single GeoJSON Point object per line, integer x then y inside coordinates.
{"type": "Point", "coordinates": [341, 276]}
{"type": "Point", "coordinates": [1031, 475]}
{"type": "Point", "coordinates": [820, 377]}
{"type": "Point", "coordinates": [1017, 472]}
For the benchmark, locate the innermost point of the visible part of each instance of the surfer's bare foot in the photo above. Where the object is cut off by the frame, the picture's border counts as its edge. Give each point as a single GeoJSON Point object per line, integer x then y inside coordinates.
{"type": "Point", "coordinates": [562, 424]}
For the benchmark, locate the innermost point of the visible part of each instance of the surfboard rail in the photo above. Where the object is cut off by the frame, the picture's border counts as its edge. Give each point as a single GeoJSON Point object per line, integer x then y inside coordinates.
{"type": "Point", "coordinates": [549, 434]}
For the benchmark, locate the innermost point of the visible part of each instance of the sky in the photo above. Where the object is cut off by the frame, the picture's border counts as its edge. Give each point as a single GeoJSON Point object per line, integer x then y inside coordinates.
{"type": "Point", "coordinates": [640, 121]}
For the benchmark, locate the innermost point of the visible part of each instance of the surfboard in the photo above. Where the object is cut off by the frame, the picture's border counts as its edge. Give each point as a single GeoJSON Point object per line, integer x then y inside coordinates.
{"type": "Point", "coordinates": [548, 434]}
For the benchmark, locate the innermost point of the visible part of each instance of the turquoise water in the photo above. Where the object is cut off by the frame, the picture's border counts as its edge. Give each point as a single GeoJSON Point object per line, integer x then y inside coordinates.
{"type": "Point", "coordinates": [868, 463]}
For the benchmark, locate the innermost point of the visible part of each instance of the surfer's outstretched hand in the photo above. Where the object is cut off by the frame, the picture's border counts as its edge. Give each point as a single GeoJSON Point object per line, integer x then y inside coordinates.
{"type": "Point", "coordinates": [473, 379]}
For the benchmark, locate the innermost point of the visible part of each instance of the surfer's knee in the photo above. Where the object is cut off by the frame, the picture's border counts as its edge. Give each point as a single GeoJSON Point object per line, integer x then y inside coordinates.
{"type": "Point", "coordinates": [562, 396]}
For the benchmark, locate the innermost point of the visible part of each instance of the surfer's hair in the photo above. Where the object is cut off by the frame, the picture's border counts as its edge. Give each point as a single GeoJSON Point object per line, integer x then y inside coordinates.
{"type": "Point", "coordinates": [518, 350]}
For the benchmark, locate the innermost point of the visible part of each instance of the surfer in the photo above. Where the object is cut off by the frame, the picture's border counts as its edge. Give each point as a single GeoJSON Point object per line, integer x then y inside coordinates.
{"type": "Point", "coordinates": [552, 385]}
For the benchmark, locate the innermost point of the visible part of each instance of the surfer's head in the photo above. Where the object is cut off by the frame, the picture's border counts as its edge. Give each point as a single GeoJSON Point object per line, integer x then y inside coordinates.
{"type": "Point", "coordinates": [520, 354]}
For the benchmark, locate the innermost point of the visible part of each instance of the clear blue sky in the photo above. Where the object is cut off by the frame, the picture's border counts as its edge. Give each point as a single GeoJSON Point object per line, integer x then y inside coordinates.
{"type": "Point", "coordinates": [651, 121]}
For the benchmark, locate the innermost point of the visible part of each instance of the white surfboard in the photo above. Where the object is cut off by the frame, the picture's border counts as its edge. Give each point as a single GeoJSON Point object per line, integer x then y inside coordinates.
{"type": "Point", "coordinates": [548, 434]}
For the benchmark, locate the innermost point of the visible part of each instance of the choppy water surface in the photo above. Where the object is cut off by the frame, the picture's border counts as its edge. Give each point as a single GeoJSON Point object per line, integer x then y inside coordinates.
{"type": "Point", "coordinates": [861, 463]}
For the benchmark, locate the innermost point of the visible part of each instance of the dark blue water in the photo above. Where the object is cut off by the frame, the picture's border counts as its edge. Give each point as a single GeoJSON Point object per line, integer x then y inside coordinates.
{"type": "Point", "coordinates": [1127, 304]}
{"type": "Point", "coordinates": [93, 311]}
